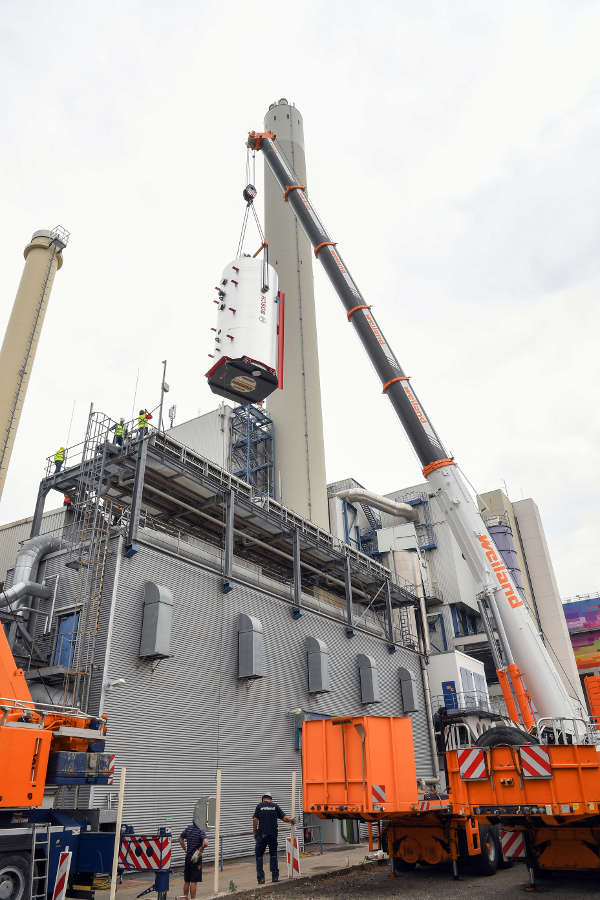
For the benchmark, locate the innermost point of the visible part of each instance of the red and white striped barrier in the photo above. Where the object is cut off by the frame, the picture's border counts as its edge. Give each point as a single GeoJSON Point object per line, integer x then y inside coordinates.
{"type": "Point", "coordinates": [62, 875]}
{"type": "Point", "coordinates": [293, 857]}
{"type": "Point", "coordinates": [471, 764]}
{"type": "Point", "coordinates": [513, 844]}
{"type": "Point", "coordinates": [138, 852]}
{"type": "Point", "coordinates": [111, 768]}
{"type": "Point", "coordinates": [378, 793]}
{"type": "Point", "coordinates": [535, 761]}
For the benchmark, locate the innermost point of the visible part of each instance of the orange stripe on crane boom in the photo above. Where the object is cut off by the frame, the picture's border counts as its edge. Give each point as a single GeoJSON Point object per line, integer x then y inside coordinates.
{"type": "Point", "coordinates": [437, 464]}
{"type": "Point", "coordinates": [326, 244]}
{"type": "Point", "coordinates": [355, 308]}
{"type": "Point", "coordinates": [292, 187]}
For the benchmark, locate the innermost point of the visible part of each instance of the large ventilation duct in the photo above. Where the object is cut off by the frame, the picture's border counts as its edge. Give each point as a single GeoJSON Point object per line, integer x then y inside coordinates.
{"type": "Point", "coordinates": [43, 256]}
{"type": "Point", "coordinates": [25, 583]}
{"type": "Point", "coordinates": [384, 504]}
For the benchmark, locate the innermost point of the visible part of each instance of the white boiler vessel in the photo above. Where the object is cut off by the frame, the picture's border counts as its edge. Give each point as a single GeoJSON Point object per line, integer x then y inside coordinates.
{"type": "Point", "coordinates": [248, 337]}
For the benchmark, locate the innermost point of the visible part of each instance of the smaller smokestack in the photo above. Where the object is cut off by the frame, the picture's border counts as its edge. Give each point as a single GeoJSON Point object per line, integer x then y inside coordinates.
{"type": "Point", "coordinates": [43, 256]}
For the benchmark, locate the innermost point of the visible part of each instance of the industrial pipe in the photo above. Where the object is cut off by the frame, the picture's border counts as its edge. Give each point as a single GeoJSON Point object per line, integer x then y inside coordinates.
{"type": "Point", "coordinates": [25, 573]}
{"type": "Point", "coordinates": [253, 540]}
{"type": "Point", "coordinates": [384, 504]}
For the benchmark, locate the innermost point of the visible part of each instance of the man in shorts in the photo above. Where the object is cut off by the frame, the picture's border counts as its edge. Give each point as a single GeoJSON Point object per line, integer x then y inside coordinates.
{"type": "Point", "coordinates": [193, 842]}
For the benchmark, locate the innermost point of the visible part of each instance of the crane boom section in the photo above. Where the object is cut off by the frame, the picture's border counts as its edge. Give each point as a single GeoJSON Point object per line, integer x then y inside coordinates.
{"type": "Point", "coordinates": [393, 379]}
{"type": "Point", "coordinates": [457, 503]}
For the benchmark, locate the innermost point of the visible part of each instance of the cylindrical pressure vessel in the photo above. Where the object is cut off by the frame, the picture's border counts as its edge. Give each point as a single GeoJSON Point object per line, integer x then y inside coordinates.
{"type": "Point", "coordinates": [43, 256]}
{"type": "Point", "coordinates": [248, 337]}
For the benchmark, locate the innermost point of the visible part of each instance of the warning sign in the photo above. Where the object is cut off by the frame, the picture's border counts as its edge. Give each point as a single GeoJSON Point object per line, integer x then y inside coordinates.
{"type": "Point", "coordinates": [243, 383]}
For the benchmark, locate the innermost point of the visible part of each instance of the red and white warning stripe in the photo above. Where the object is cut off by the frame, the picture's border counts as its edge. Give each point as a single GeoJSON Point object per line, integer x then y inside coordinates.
{"type": "Point", "coordinates": [471, 764]}
{"type": "Point", "coordinates": [137, 852]}
{"type": "Point", "coordinates": [535, 761]}
{"type": "Point", "coordinates": [424, 805]}
{"type": "Point", "coordinates": [513, 844]}
{"type": "Point", "coordinates": [111, 768]}
{"type": "Point", "coordinates": [62, 875]}
{"type": "Point", "coordinates": [378, 793]}
{"type": "Point", "coordinates": [293, 857]}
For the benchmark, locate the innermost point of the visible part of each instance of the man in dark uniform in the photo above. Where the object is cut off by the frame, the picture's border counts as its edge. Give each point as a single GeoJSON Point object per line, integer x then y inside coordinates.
{"type": "Point", "coordinates": [264, 825]}
{"type": "Point", "coordinates": [193, 841]}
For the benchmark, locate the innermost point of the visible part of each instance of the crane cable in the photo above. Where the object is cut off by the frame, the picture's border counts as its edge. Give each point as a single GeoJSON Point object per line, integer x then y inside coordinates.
{"type": "Point", "coordinates": [249, 195]}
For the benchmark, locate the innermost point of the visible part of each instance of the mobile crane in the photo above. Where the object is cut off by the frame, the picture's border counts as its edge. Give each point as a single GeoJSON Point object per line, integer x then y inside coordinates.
{"type": "Point", "coordinates": [549, 796]}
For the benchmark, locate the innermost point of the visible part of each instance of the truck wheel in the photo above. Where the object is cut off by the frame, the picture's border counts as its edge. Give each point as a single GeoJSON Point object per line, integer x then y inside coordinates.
{"type": "Point", "coordinates": [505, 734]}
{"type": "Point", "coordinates": [14, 876]}
{"type": "Point", "coordinates": [487, 862]}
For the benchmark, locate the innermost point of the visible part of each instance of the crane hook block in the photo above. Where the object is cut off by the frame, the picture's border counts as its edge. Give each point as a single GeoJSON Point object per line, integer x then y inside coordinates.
{"type": "Point", "coordinates": [249, 194]}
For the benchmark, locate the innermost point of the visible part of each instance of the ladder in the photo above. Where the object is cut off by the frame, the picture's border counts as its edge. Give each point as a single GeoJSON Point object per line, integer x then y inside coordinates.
{"type": "Point", "coordinates": [89, 539]}
{"type": "Point", "coordinates": [38, 870]}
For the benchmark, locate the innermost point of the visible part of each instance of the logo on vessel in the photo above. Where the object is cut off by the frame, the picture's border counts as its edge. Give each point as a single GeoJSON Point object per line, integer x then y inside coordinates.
{"type": "Point", "coordinates": [263, 305]}
{"type": "Point", "coordinates": [500, 571]}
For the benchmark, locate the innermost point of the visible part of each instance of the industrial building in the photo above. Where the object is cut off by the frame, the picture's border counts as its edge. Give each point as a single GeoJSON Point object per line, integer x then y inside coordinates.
{"type": "Point", "coordinates": [207, 623]}
{"type": "Point", "coordinates": [582, 616]}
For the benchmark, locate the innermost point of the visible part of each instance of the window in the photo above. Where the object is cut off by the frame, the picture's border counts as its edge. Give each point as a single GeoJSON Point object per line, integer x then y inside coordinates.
{"type": "Point", "coordinates": [317, 662]}
{"type": "Point", "coordinates": [65, 640]}
{"type": "Point", "coordinates": [468, 686]}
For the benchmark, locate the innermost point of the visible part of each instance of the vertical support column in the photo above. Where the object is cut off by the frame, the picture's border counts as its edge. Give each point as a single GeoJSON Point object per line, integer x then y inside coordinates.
{"type": "Point", "coordinates": [348, 586]}
{"type": "Point", "coordinates": [131, 548]}
{"type": "Point", "coordinates": [228, 556]}
{"type": "Point", "coordinates": [389, 617]}
{"type": "Point", "coordinates": [39, 510]}
{"type": "Point", "coordinates": [297, 611]}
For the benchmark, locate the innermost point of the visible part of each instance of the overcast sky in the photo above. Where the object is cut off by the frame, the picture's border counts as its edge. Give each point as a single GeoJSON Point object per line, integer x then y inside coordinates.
{"type": "Point", "coordinates": [453, 152]}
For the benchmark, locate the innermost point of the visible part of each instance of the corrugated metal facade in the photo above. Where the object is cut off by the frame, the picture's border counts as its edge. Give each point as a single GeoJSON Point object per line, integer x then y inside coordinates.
{"type": "Point", "coordinates": [176, 721]}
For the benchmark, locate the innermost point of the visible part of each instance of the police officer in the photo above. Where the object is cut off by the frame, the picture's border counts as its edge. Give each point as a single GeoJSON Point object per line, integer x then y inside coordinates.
{"type": "Point", "coordinates": [264, 825]}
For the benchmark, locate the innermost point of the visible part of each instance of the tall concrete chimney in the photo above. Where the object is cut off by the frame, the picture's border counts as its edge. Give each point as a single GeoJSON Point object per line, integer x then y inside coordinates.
{"type": "Point", "coordinates": [296, 410]}
{"type": "Point", "coordinates": [43, 256]}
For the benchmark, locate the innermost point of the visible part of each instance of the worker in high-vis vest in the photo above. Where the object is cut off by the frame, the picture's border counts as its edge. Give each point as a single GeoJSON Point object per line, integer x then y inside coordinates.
{"type": "Point", "coordinates": [120, 430]}
{"type": "Point", "coordinates": [59, 458]}
{"type": "Point", "coordinates": [142, 423]}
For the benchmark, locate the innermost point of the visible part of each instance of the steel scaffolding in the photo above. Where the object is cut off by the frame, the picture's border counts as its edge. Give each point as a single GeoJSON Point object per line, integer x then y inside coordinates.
{"type": "Point", "coordinates": [252, 456]}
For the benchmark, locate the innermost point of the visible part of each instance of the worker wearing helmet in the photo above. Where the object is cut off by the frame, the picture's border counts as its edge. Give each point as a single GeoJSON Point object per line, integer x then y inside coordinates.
{"type": "Point", "coordinates": [142, 423]}
{"type": "Point", "coordinates": [59, 458]}
{"type": "Point", "coordinates": [120, 430]}
{"type": "Point", "coordinates": [264, 825]}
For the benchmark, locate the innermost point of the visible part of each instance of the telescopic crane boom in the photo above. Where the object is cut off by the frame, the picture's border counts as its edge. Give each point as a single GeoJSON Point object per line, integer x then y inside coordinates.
{"type": "Point", "coordinates": [520, 650]}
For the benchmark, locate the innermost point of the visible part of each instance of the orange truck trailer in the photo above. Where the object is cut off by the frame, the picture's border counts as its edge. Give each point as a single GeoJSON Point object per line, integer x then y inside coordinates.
{"type": "Point", "coordinates": [363, 767]}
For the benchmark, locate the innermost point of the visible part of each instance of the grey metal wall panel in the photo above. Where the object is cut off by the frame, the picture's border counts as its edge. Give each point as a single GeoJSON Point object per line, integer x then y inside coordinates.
{"type": "Point", "coordinates": [174, 723]}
